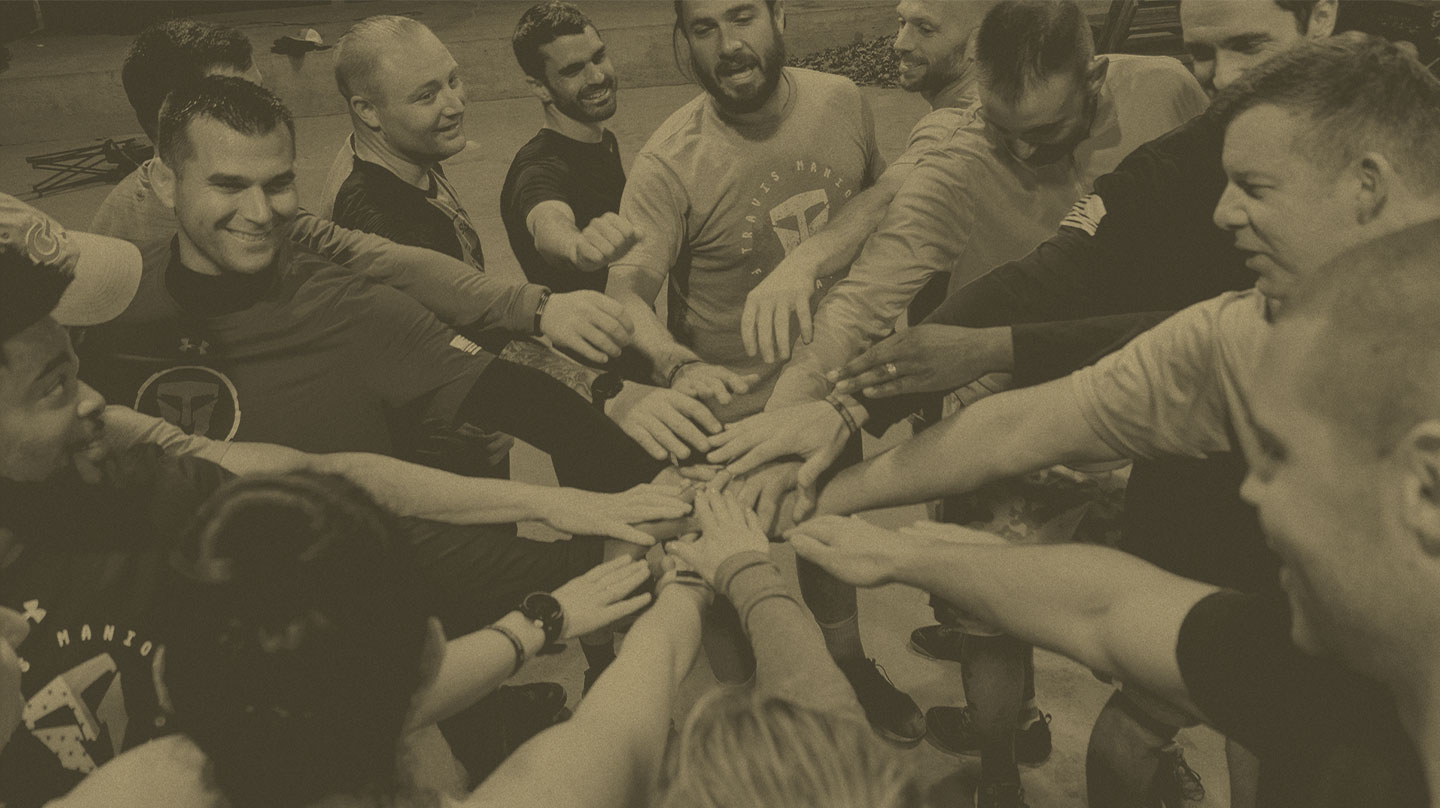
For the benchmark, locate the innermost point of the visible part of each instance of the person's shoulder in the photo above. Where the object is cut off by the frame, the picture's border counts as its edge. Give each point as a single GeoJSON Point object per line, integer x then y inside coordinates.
{"type": "Point", "coordinates": [1137, 69]}
{"type": "Point", "coordinates": [817, 81]}
{"type": "Point", "coordinates": [682, 126]}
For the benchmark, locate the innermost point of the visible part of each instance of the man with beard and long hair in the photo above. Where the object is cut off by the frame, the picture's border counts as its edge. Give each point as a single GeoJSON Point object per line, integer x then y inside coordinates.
{"type": "Point", "coordinates": [728, 186]}
{"type": "Point", "coordinates": [561, 198]}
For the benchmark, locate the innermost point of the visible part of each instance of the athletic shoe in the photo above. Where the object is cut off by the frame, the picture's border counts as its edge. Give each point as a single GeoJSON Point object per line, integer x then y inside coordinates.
{"type": "Point", "coordinates": [535, 704]}
{"type": "Point", "coordinates": [1000, 795]}
{"type": "Point", "coordinates": [891, 713]}
{"type": "Point", "coordinates": [1179, 781]}
{"type": "Point", "coordinates": [937, 642]}
{"type": "Point", "coordinates": [952, 730]}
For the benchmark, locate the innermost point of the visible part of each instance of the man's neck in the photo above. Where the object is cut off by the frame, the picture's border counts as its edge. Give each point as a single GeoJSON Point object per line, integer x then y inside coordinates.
{"type": "Point", "coordinates": [958, 93]}
{"type": "Point", "coordinates": [583, 131]}
{"type": "Point", "coordinates": [192, 259]}
{"type": "Point", "coordinates": [372, 148]}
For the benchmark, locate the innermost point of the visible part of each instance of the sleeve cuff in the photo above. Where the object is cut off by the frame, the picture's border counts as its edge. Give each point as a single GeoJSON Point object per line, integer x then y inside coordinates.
{"type": "Point", "coordinates": [742, 571]}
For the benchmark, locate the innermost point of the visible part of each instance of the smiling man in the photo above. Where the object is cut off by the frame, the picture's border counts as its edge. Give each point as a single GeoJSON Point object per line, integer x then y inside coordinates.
{"type": "Point", "coordinates": [236, 333]}
{"type": "Point", "coordinates": [1326, 147]}
{"type": "Point", "coordinates": [932, 46]}
{"type": "Point", "coordinates": [725, 188]}
{"type": "Point", "coordinates": [561, 198]}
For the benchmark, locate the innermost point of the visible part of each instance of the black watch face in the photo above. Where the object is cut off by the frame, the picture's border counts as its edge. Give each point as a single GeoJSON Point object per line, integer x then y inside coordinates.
{"type": "Point", "coordinates": [540, 606]}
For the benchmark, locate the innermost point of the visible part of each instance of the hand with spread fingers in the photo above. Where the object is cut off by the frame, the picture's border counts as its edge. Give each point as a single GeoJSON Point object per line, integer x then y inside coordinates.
{"type": "Point", "coordinates": [926, 358]}
{"type": "Point", "coordinates": [588, 323]}
{"type": "Point", "coordinates": [587, 513]}
{"type": "Point", "coordinates": [668, 423]}
{"type": "Point", "coordinates": [765, 321]}
{"type": "Point", "coordinates": [599, 597]}
{"type": "Point", "coordinates": [727, 527]}
{"type": "Point", "coordinates": [715, 382]}
{"type": "Point", "coordinates": [854, 550]}
{"type": "Point", "coordinates": [604, 240]}
{"type": "Point", "coordinates": [814, 431]}
{"type": "Point", "coordinates": [764, 490]}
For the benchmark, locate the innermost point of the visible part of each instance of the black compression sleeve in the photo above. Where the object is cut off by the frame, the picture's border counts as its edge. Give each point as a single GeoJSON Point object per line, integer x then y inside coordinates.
{"type": "Point", "coordinates": [587, 448]}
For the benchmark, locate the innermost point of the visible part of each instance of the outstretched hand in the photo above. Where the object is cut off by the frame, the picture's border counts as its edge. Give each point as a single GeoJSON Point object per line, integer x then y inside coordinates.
{"type": "Point", "coordinates": [615, 515]}
{"type": "Point", "coordinates": [598, 598]}
{"type": "Point", "coordinates": [926, 358]}
{"type": "Point", "coordinates": [765, 321]}
{"type": "Point", "coordinates": [727, 527]}
{"type": "Point", "coordinates": [849, 548]}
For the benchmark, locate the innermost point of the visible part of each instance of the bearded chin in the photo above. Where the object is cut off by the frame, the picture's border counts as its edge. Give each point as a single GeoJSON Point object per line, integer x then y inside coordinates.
{"type": "Point", "coordinates": [771, 63]}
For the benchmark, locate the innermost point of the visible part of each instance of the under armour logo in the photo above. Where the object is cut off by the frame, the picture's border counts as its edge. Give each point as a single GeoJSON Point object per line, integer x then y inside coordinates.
{"type": "Point", "coordinates": [33, 612]}
{"type": "Point", "coordinates": [189, 346]}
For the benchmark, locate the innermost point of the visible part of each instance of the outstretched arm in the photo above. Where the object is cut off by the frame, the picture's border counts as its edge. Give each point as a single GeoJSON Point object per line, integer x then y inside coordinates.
{"type": "Point", "coordinates": [733, 555]}
{"type": "Point", "coordinates": [1002, 436]}
{"type": "Point", "coordinates": [1103, 608]}
{"type": "Point", "coordinates": [609, 753]}
{"type": "Point", "coordinates": [413, 490]}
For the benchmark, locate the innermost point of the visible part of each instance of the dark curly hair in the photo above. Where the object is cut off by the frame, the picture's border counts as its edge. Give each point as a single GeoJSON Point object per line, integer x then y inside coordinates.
{"type": "Point", "coordinates": [294, 631]}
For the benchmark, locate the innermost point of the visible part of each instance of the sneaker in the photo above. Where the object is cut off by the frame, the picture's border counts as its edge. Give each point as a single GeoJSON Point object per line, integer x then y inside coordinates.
{"type": "Point", "coordinates": [535, 704]}
{"type": "Point", "coordinates": [937, 642]}
{"type": "Point", "coordinates": [952, 730]}
{"type": "Point", "coordinates": [1179, 782]}
{"type": "Point", "coordinates": [891, 713]}
{"type": "Point", "coordinates": [1000, 795]}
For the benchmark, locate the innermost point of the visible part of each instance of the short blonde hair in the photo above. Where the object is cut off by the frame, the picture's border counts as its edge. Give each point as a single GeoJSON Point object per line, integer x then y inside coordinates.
{"type": "Point", "coordinates": [358, 53]}
{"type": "Point", "coordinates": [739, 750]}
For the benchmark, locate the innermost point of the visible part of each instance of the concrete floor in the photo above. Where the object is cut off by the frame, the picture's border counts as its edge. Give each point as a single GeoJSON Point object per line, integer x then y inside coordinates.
{"type": "Point", "coordinates": [498, 129]}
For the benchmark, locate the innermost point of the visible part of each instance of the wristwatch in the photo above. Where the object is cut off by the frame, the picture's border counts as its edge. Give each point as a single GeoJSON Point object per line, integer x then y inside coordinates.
{"type": "Point", "coordinates": [542, 609]}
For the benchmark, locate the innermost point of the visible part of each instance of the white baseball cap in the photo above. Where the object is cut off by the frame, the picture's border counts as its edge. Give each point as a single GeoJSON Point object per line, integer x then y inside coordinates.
{"type": "Point", "coordinates": [77, 278]}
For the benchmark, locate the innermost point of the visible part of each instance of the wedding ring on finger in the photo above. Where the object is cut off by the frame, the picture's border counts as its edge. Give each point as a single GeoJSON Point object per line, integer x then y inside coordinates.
{"type": "Point", "coordinates": [891, 369]}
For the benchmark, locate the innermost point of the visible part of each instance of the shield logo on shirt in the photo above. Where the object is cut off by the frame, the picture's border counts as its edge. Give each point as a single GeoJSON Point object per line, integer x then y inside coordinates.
{"type": "Point", "coordinates": [200, 400]}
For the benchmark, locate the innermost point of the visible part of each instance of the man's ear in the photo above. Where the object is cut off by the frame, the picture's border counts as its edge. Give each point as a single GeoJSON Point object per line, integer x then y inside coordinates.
{"type": "Point", "coordinates": [365, 111]}
{"type": "Point", "coordinates": [163, 179]}
{"type": "Point", "coordinates": [1421, 495]}
{"type": "Point", "coordinates": [1095, 73]}
{"type": "Point", "coordinates": [778, 15]}
{"type": "Point", "coordinates": [1374, 177]}
{"type": "Point", "coordinates": [1322, 19]}
{"type": "Point", "coordinates": [539, 90]}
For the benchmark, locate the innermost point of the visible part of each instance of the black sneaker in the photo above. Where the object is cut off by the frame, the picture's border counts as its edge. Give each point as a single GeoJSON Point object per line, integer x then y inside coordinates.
{"type": "Point", "coordinates": [952, 731]}
{"type": "Point", "coordinates": [937, 642]}
{"type": "Point", "coordinates": [1000, 795]}
{"type": "Point", "coordinates": [1179, 782]}
{"type": "Point", "coordinates": [891, 713]}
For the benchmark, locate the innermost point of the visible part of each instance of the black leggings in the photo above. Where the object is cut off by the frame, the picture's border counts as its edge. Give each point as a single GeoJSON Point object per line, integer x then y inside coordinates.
{"type": "Point", "coordinates": [588, 449]}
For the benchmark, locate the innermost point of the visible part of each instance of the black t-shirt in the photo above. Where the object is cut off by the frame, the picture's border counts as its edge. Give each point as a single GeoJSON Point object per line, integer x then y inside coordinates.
{"type": "Point", "coordinates": [86, 578]}
{"type": "Point", "coordinates": [304, 354]}
{"type": "Point", "coordinates": [376, 201]}
{"type": "Point", "coordinates": [586, 176]}
{"type": "Point", "coordinates": [1325, 736]}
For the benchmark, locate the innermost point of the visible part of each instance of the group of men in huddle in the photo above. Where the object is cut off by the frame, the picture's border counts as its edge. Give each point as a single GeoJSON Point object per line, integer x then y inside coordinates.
{"type": "Point", "coordinates": [1068, 202]}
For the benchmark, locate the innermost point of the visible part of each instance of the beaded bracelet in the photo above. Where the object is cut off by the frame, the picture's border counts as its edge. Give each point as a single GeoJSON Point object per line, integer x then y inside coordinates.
{"type": "Point", "coordinates": [514, 641]}
{"type": "Point", "coordinates": [540, 309]}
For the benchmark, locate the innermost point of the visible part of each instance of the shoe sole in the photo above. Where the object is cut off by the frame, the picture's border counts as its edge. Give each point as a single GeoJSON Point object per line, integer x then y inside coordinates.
{"type": "Point", "coordinates": [896, 739]}
{"type": "Point", "coordinates": [975, 753]}
{"type": "Point", "coordinates": [921, 652]}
